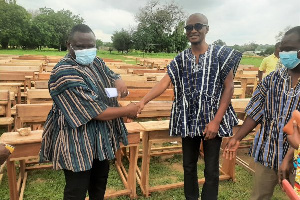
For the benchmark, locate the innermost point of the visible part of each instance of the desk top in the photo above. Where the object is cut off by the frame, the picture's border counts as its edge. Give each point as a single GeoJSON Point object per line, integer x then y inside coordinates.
{"type": "Point", "coordinates": [11, 84]}
{"type": "Point", "coordinates": [13, 138]}
{"type": "Point", "coordinates": [134, 127]}
{"type": "Point", "coordinates": [156, 125]}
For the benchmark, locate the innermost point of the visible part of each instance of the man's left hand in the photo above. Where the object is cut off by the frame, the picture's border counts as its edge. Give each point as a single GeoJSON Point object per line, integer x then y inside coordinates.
{"type": "Point", "coordinates": [211, 130]}
{"type": "Point", "coordinates": [121, 88]}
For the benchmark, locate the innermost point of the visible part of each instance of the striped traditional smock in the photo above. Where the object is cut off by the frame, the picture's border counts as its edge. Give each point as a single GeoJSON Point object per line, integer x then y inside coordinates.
{"type": "Point", "coordinates": [71, 138]}
{"type": "Point", "coordinates": [271, 105]}
{"type": "Point", "coordinates": [198, 88]}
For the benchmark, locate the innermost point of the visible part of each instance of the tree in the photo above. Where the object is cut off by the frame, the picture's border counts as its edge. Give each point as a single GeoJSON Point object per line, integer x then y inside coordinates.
{"type": "Point", "coordinates": [99, 43]}
{"type": "Point", "coordinates": [178, 38]}
{"type": "Point", "coordinates": [50, 28]}
{"type": "Point", "coordinates": [121, 40]}
{"type": "Point", "coordinates": [14, 20]}
{"type": "Point", "coordinates": [156, 24]}
{"type": "Point", "coordinates": [279, 36]}
{"type": "Point", "coordinates": [219, 42]}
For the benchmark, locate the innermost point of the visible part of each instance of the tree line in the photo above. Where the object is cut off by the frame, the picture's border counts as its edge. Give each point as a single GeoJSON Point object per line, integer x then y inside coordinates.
{"type": "Point", "coordinates": [160, 28]}
{"type": "Point", "coordinates": [36, 29]}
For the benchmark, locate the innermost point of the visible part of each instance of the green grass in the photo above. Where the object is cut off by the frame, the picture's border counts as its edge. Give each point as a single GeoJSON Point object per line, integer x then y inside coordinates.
{"type": "Point", "coordinates": [49, 184]}
{"type": "Point", "coordinates": [250, 60]}
{"type": "Point", "coordinates": [246, 60]}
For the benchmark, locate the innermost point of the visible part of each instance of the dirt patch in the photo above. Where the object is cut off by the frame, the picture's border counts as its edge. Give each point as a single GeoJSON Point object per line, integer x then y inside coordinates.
{"type": "Point", "coordinates": [177, 166]}
{"type": "Point", "coordinates": [40, 180]}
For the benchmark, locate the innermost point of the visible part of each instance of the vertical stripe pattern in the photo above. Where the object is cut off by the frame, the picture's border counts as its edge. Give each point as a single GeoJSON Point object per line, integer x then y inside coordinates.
{"type": "Point", "coordinates": [71, 138]}
{"type": "Point", "coordinates": [198, 88]}
{"type": "Point", "coordinates": [271, 105]}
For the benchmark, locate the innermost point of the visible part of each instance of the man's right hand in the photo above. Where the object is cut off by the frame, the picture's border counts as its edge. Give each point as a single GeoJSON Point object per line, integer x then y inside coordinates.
{"type": "Point", "coordinates": [132, 110]}
{"type": "Point", "coordinates": [141, 106]}
{"type": "Point", "coordinates": [231, 146]}
{"type": "Point", "coordinates": [4, 153]}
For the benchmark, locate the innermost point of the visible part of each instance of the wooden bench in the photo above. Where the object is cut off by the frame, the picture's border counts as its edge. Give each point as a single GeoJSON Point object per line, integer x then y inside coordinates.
{"type": "Point", "coordinates": [128, 178]}
{"type": "Point", "coordinates": [28, 147]}
{"type": "Point", "coordinates": [159, 131]}
{"type": "Point", "coordinates": [41, 84]}
{"type": "Point", "coordinates": [43, 76]}
{"type": "Point", "coordinates": [31, 114]}
{"type": "Point", "coordinates": [16, 78]}
{"type": "Point", "coordinates": [5, 109]}
{"type": "Point", "coordinates": [36, 68]}
{"type": "Point", "coordinates": [153, 109]}
{"type": "Point", "coordinates": [12, 87]}
{"type": "Point", "coordinates": [138, 94]}
{"type": "Point", "coordinates": [35, 96]}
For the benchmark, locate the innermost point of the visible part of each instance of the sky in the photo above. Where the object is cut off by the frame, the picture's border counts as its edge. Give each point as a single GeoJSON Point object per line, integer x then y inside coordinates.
{"type": "Point", "coordinates": [233, 21]}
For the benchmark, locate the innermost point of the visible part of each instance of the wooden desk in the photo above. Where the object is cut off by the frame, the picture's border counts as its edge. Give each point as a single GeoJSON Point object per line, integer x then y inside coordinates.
{"type": "Point", "coordinates": [129, 180]}
{"type": "Point", "coordinates": [153, 109]}
{"type": "Point", "coordinates": [159, 131]}
{"type": "Point", "coordinates": [26, 147]}
{"type": "Point", "coordinates": [13, 87]}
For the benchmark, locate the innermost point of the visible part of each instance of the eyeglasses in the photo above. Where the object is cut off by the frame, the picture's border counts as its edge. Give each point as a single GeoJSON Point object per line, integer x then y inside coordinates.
{"type": "Point", "coordinates": [196, 26]}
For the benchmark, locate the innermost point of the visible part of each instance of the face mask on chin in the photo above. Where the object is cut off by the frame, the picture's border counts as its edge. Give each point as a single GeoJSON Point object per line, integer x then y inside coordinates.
{"type": "Point", "coordinates": [289, 59]}
{"type": "Point", "coordinates": [85, 56]}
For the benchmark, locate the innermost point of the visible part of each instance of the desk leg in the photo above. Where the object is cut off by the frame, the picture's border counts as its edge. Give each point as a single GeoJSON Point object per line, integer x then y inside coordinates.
{"type": "Point", "coordinates": [22, 168]}
{"type": "Point", "coordinates": [145, 164]}
{"type": "Point", "coordinates": [12, 180]}
{"type": "Point", "coordinates": [132, 170]}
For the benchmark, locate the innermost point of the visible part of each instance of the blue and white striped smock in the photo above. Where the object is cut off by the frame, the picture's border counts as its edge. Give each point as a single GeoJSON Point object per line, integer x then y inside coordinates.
{"type": "Point", "coordinates": [71, 138]}
{"type": "Point", "coordinates": [271, 105]}
{"type": "Point", "coordinates": [198, 88]}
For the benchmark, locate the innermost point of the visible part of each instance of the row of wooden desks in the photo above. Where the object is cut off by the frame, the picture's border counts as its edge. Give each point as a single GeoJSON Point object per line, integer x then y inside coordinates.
{"type": "Point", "coordinates": [152, 131]}
{"type": "Point", "coordinates": [27, 147]}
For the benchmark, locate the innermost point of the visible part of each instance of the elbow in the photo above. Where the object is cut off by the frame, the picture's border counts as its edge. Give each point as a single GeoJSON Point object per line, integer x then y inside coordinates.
{"type": "Point", "coordinates": [230, 90]}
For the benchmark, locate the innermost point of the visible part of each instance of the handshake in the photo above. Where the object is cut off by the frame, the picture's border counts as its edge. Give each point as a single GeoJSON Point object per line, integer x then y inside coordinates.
{"type": "Point", "coordinates": [134, 109]}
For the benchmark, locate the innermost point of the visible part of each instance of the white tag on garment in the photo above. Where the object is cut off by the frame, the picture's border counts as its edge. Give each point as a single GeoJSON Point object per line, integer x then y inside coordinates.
{"type": "Point", "coordinates": [111, 92]}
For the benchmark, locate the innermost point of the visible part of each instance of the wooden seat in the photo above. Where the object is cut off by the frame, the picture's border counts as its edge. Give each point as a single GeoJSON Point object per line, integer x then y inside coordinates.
{"type": "Point", "coordinates": [31, 114]}
{"type": "Point", "coordinates": [36, 96]}
{"type": "Point", "coordinates": [159, 131]}
{"type": "Point", "coordinates": [138, 94]}
{"type": "Point", "coordinates": [5, 109]}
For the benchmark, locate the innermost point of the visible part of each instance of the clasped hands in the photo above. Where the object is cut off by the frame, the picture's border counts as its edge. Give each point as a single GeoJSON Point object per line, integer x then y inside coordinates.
{"type": "Point", "coordinates": [134, 109]}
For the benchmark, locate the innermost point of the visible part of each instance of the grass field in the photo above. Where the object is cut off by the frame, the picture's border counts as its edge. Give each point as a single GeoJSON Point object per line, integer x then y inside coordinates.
{"type": "Point", "coordinates": [246, 60]}
{"type": "Point", "coordinates": [49, 184]}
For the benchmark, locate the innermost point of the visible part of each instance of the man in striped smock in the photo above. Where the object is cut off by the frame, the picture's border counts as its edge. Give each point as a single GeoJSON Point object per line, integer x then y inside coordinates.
{"type": "Point", "coordinates": [84, 127]}
{"type": "Point", "coordinates": [202, 77]}
{"type": "Point", "coordinates": [271, 105]}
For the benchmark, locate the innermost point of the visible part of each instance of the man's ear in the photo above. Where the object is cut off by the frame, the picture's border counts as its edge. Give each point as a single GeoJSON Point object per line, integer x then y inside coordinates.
{"type": "Point", "coordinates": [207, 29]}
{"type": "Point", "coordinates": [68, 45]}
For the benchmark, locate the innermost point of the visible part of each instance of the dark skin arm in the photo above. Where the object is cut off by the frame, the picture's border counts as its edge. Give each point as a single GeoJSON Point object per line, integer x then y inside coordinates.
{"type": "Point", "coordinates": [212, 128]}
{"type": "Point", "coordinates": [286, 166]}
{"type": "Point", "coordinates": [260, 75]}
{"type": "Point", "coordinates": [157, 90]}
{"type": "Point", "coordinates": [233, 144]}
{"type": "Point", "coordinates": [4, 153]}
{"type": "Point", "coordinates": [110, 113]}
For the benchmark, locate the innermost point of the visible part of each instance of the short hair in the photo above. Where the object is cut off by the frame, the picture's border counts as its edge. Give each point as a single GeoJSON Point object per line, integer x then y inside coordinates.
{"type": "Point", "coordinates": [295, 29]}
{"type": "Point", "coordinates": [200, 15]}
{"type": "Point", "coordinates": [82, 28]}
{"type": "Point", "coordinates": [277, 45]}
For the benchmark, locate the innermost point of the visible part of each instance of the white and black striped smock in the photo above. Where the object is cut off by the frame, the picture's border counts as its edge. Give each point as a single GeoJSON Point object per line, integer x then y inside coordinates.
{"type": "Point", "coordinates": [198, 88]}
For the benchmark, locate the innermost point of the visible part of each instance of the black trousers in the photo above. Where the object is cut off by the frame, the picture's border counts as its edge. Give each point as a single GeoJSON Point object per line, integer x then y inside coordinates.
{"type": "Point", "coordinates": [191, 150]}
{"type": "Point", "coordinates": [94, 181]}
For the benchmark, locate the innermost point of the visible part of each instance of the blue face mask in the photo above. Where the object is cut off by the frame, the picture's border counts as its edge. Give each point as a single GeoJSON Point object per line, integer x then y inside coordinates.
{"type": "Point", "coordinates": [289, 59]}
{"type": "Point", "coordinates": [85, 56]}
